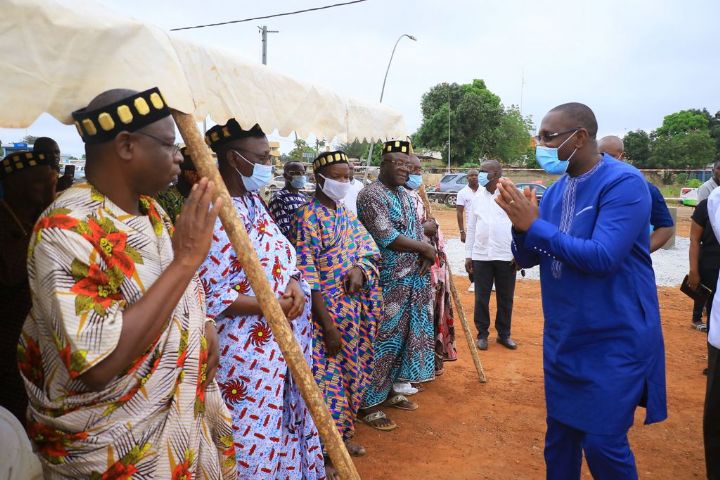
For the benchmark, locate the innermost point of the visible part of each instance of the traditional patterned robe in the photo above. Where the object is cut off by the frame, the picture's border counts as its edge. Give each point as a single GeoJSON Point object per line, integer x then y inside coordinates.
{"type": "Point", "coordinates": [88, 261]}
{"type": "Point", "coordinates": [275, 437]}
{"type": "Point", "coordinates": [330, 243]}
{"type": "Point", "coordinates": [283, 205]}
{"type": "Point", "coordinates": [443, 319]}
{"type": "Point", "coordinates": [404, 342]}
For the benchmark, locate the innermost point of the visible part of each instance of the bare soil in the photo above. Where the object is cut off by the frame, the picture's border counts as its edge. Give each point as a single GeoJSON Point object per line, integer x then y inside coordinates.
{"type": "Point", "coordinates": [467, 430]}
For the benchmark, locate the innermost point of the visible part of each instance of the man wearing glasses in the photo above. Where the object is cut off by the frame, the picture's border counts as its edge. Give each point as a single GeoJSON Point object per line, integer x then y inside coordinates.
{"type": "Point", "coordinates": [603, 351]}
{"type": "Point", "coordinates": [404, 344]}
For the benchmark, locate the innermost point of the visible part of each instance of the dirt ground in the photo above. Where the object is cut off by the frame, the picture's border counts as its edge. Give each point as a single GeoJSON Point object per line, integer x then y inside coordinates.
{"type": "Point", "coordinates": [467, 430]}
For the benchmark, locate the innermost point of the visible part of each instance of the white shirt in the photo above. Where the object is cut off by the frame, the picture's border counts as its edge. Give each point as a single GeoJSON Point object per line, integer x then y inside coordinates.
{"type": "Point", "coordinates": [466, 195]}
{"type": "Point", "coordinates": [350, 199]}
{"type": "Point", "coordinates": [488, 231]}
{"type": "Point", "coordinates": [713, 205]}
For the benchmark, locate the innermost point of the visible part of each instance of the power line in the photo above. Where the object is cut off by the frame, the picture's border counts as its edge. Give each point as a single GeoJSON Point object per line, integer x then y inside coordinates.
{"type": "Point", "coordinates": [269, 16]}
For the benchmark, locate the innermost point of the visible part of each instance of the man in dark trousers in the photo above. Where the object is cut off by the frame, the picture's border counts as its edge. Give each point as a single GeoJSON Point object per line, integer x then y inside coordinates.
{"type": "Point", "coordinates": [489, 258]}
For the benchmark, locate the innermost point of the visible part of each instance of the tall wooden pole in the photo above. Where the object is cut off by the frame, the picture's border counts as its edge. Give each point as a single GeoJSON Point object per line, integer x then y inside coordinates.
{"type": "Point", "coordinates": [205, 164]}
{"type": "Point", "coordinates": [458, 304]}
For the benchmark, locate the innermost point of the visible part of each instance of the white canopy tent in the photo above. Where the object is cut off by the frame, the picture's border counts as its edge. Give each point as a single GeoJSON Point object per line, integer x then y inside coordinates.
{"type": "Point", "coordinates": [55, 55]}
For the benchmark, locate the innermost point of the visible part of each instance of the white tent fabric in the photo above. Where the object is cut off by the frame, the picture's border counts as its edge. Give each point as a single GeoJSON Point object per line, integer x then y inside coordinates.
{"type": "Point", "coordinates": [56, 55]}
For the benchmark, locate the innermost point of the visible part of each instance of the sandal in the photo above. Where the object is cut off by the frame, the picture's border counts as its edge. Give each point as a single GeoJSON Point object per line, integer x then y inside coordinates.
{"type": "Point", "coordinates": [401, 402]}
{"type": "Point", "coordinates": [371, 419]}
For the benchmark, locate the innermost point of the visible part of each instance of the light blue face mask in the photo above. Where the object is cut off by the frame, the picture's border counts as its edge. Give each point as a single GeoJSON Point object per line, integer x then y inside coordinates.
{"type": "Point", "coordinates": [548, 159]}
{"type": "Point", "coordinates": [260, 177]}
{"type": "Point", "coordinates": [414, 181]}
{"type": "Point", "coordinates": [298, 182]}
{"type": "Point", "coordinates": [483, 179]}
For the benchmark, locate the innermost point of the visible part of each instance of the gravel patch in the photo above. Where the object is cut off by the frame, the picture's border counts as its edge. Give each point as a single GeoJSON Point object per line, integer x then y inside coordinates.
{"type": "Point", "coordinates": [670, 265]}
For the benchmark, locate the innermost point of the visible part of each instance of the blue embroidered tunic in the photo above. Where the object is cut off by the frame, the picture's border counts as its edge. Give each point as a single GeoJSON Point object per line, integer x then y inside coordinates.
{"type": "Point", "coordinates": [603, 352]}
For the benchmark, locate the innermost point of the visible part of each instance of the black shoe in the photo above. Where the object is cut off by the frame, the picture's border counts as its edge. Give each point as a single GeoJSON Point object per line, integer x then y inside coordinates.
{"type": "Point", "coordinates": [482, 344]}
{"type": "Point", "coordinates": [507, 342]}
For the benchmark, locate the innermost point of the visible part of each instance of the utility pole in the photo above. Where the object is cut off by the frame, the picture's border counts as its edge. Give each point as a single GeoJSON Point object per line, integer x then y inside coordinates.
{"type": "Point", "coordinates": [448, 168]}
{"type": "Point", "coordinates": [264, 32]}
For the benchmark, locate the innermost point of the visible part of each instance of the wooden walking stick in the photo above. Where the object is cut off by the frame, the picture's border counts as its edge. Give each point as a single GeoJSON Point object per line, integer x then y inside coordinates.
{"type": "Point", "coordinates": [205, 164]}
{"type": "Point", "coordinates": [458, 305]}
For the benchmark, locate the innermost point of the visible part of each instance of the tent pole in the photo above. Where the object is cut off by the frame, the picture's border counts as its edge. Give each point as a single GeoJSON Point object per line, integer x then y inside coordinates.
{"type": "Point", "coordinates": [274, 315]}
{"type": "Point", "coordinates": [458, 304]}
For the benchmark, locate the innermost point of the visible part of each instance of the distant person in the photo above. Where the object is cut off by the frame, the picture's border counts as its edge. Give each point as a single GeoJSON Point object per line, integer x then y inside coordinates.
{"type": "Point", "coordinates": [462, 204]}
{"type": "Point", "coordinates": [706, 188]}
{"type": "Point", "coordinates": [49, 147]}
{"type": "Point", "coordinates": [704, 261]}
{"type": "Point", "coordinates": [711, 420]}
{"type": "Point", "coordinates": [489, 258]}
{"type": "Point", "coordinates": [661, 221]}
{"type": "Point", "coordinates": [285, 202]}
{"type": "Point", "coordinates": [174, 197]}
{"type": "Point", "coordinates": [29, 187]}
{"type": "Point", "coordinates": [356, 185]}
{"type": "Point", "coordinates": [603, 353]}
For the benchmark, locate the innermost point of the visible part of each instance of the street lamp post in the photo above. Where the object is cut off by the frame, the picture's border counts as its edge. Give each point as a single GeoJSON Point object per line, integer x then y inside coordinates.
{"type": "Point", "coordinates": [382, 92]}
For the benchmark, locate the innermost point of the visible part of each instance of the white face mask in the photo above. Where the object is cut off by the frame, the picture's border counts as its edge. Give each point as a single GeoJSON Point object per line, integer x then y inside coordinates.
{"type": "Point", "coordinates": [335, 190]}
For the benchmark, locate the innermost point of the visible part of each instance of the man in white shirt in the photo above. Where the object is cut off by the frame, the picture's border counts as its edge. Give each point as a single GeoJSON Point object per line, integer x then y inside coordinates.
{"type": "Point", "coordinates": [350, 199]}
{"type": "Point", "coordinates": [711, 421]}
{"type": "Point", "coordinates": [462, 206]}
{"type": "Point", "coordinates": [489, 258]}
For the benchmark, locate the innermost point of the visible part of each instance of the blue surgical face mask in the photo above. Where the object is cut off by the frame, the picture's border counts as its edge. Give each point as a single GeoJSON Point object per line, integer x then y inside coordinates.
{"type": "Point", "coordinates": [548, 159]}
{"type": "Point", "coordinates": [298, 182]}
{"type": "Point", "coordinates": [260, 177]}
{"type": "Point", "coordinates": [483, 179]}
{"type": "Point", "coordinates": [414, 181]}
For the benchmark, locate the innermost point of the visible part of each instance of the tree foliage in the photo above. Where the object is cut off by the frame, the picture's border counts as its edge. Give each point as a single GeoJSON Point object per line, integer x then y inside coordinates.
{"type": "Point", "coordinates": [302, 152]}
{"type": "Point", "coordinates": [686, 139]}
{"type": "Point", "coordinates": [637, 148]}
{"type": "Point", "coordinates": [479, 125]}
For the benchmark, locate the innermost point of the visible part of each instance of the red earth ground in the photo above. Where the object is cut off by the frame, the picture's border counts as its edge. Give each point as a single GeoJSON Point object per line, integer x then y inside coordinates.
{"type": "Point", "coordinates": [467, 430]}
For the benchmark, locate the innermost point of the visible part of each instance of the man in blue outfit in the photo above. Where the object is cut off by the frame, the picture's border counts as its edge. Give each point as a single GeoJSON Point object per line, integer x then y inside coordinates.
{"type": "Point", "coordinates": [603, 351]}
{"type": "Point", "coordinates": [661, 222]}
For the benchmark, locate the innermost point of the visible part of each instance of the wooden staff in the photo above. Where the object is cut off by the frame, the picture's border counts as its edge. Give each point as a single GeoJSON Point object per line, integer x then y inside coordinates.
{"type": "Point", "coordinates": [205, 164]}
{"type": "Point", "coordinates": [458, 305]}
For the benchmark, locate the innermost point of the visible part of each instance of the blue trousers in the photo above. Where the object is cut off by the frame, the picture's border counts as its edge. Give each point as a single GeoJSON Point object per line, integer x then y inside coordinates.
{"type": "Point", "coordinates": [608, 456]}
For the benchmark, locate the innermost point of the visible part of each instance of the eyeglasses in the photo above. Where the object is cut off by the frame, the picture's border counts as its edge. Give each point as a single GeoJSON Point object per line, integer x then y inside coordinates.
{"type": "Point", "coordinates": [398, 163]}
{"type": "Point", "coordinates": [174, 148]}
{"type": "Point", "coordinates": [263, 159]}
{"type": "Point", "coordinates": [547, 137]}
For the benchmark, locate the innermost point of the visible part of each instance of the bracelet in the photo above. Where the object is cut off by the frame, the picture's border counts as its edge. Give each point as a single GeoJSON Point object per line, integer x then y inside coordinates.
{"type": "Point", "coordinates": [210, 320]}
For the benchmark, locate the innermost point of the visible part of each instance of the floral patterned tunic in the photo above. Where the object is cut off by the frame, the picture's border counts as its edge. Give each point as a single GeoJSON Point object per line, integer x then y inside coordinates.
{"type": "Point", "coordinates": [88, 261]}
{"type": "Point", "coordinates": [275, 437]}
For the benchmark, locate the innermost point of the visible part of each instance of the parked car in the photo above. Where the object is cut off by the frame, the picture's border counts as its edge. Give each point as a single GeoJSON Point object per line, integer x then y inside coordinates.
{"type": "Point", "coordinates": [539, 189]}
{"type": "Point", "coordinates": [450, 184]}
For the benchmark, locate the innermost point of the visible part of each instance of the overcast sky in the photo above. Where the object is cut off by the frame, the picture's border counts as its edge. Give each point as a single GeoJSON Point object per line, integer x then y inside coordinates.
{"type": "Point", "coordinates": [631, 61]}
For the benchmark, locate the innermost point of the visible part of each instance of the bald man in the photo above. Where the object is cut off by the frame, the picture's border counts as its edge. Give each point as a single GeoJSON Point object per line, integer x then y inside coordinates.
{"type": "Point", "coordinates": [603, 353]}
{"type": "Point", "coordinates": [489, 258]}
{"type": "Point", "coordinates": [661, 222]}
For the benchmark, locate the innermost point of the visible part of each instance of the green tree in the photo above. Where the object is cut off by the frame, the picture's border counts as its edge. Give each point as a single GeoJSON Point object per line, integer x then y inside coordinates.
{"type": "Point", "coordinates": [302, 152]}
{"type": "Point", "coordinates": [474, 113]}
{"type": "Point", "coordinates": [683, 121]}
{"type": "Point", "coordinates": [513, 142]}
{"type": "Point", "coordinates": [692, 149]}
{"type": "Point", "coordinates": [29, 139]}
{"type": "Point", "coordinates": [637, 148]}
